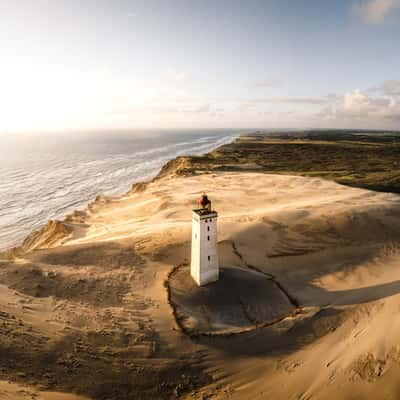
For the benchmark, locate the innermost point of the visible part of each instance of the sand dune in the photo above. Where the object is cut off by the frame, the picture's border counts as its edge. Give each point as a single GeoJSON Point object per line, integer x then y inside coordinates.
{"type": "Point", "coordinates": [85, 311]}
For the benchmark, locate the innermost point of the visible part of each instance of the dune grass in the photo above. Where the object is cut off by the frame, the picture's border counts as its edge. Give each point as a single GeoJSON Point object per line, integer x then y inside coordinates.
{"type": "Point", "coordinates": [362, 159]}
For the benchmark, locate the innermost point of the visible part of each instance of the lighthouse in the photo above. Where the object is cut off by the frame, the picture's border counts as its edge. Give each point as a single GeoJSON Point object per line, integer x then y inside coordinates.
{"type": "Point", "coordinates": [204, 266]}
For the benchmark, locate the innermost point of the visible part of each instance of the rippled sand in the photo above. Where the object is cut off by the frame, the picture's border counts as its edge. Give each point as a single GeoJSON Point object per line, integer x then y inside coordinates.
{"type": "Point", "coordinates": [88, 313]}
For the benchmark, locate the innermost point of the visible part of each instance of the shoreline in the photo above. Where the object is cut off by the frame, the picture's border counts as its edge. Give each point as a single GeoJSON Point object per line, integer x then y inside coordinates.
{"type": "Point", "coordinates": [59, 227]}
{"type": "Point", "coordinates": [266, 152]}
{"type": "Point", "coordinates": [97, 310]}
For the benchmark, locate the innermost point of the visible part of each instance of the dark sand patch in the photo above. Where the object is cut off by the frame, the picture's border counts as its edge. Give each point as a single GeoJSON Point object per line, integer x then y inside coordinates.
{"type": "Point", "coordinates": [241, 300]}
{"type": "Point", "coordinates": [33, 281]}
{"type": "Point", "coordinates": [104, 365]}
{"type": "Point", "coordinates": [107, 255]}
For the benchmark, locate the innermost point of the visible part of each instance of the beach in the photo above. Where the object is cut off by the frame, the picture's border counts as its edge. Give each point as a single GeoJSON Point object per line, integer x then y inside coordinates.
{"type": "Point", "coordinates": [49, 176]}
{"type": "Point", "coordinates": [85, 302]}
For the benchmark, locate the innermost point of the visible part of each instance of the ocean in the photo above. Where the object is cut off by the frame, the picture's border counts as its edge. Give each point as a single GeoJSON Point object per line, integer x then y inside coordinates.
{"type": "Point", "coordinates": [46, 177]}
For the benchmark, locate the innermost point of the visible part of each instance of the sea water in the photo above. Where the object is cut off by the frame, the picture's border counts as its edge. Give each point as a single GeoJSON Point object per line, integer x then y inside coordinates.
{"type": "Point", "coordinates": [46, 177]}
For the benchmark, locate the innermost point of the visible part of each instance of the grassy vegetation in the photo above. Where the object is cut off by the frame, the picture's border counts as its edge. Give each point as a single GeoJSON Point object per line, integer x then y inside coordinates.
{"type": "Point", "coordinates": [364, 159]}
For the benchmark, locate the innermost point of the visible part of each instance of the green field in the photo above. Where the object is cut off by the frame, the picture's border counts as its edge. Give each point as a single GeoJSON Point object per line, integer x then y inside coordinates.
{"type": "Point", "coordinates": [366, 159]}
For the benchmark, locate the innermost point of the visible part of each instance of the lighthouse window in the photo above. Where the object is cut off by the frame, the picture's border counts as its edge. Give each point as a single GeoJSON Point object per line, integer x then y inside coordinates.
{"type": "Point", "coordinates": [209, 258]}
{"type": "Point", "coordinates": [208, 228]}
{"type": "Point", "coordinates": [208, 237]}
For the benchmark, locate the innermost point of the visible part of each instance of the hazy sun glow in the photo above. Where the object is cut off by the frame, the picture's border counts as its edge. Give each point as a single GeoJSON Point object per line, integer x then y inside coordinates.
{"type": "Point", "coordinates": [71, 65]}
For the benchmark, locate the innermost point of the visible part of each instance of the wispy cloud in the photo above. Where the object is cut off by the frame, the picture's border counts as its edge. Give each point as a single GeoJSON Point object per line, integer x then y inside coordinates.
{"type": "Point", "coordinates": [175, 77]}
{"type": "Point", "coordinates": [203, 109]}
{"type": "Point", "coordinates": [291, 100]}
{"type": "Point", "coordinates": [268, 83]}
{"type": "Point", "coordinates": [182, 109]}
{"type": "Point", "coordinates": [391, 88]}
{"type": "Point", "coordinates": [374, 11]}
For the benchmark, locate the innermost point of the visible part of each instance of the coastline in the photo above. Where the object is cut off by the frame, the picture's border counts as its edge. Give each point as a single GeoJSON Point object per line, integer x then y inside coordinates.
{"type": "Point", "coordinates": [248, 152]}
{"type": "Point", "coordinates": [88, 311]}
{"type": "Point", "coordinates": [55, 230]}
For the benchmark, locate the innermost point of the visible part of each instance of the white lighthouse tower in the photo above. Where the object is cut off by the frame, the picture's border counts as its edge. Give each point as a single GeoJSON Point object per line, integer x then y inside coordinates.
{"type": "Point", "coordinates": [204, 266]}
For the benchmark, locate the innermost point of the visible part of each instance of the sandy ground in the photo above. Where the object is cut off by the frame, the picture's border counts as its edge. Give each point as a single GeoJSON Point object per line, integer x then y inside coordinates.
{"type": "Point", "coordinates": [85, 311]}
{"type": "Point", "coordinates": [240, 301]}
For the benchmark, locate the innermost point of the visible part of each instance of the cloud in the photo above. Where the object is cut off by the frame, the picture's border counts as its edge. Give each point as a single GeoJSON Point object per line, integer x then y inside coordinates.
{"type": "Point", "coordinates": [268, 83]}
{"type": "Point", "coordinates": [278, 115]}
{"type": "Point", "coordinates": [391, 88]}
{"type": "Point", "coordinates": [290, 100]}
{"type": "Point", "coordinates": [255, 105]}
{"type": "Point", "coordinates": [356, 102]}
{"type": "Point", "coordinates": [359, 103]}
{"type": "Point", "coordinates": [202, 109]}
{"type": "Point", "coordinates": [374, 11]}
{"type": "Point", "coordinates": [175, 77]}
{"type": "Point", "coordinates": [215, 114]}
{"type": "Point", "coordinates": [360, 107]}
{"type": "Point", "coordinates": [183, 109]}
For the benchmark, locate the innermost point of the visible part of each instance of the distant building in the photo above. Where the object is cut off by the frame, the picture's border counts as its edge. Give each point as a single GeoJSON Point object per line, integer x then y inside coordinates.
{"type": "Point", "coordinates": [204, 266]}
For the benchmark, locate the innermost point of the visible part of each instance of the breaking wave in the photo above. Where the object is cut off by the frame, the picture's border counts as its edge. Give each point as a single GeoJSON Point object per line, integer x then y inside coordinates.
{"type": "Point", "coordinates": [50, 181]}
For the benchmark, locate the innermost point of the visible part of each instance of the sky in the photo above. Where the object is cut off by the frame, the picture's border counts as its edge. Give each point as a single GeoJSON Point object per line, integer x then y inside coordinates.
{"type": "Point", "coordinates": [120, 64]}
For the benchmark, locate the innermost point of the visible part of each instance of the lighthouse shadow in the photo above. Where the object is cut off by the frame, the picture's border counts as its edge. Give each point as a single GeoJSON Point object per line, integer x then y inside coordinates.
{"type": "Point", "coordinates": [241, 300]}
{"type": "Point", "coordinates": [292, 335]}
{"type": "Point", "coordinates": [321, 312]}
{"type": "Point", "coordinates": [271, 341]}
